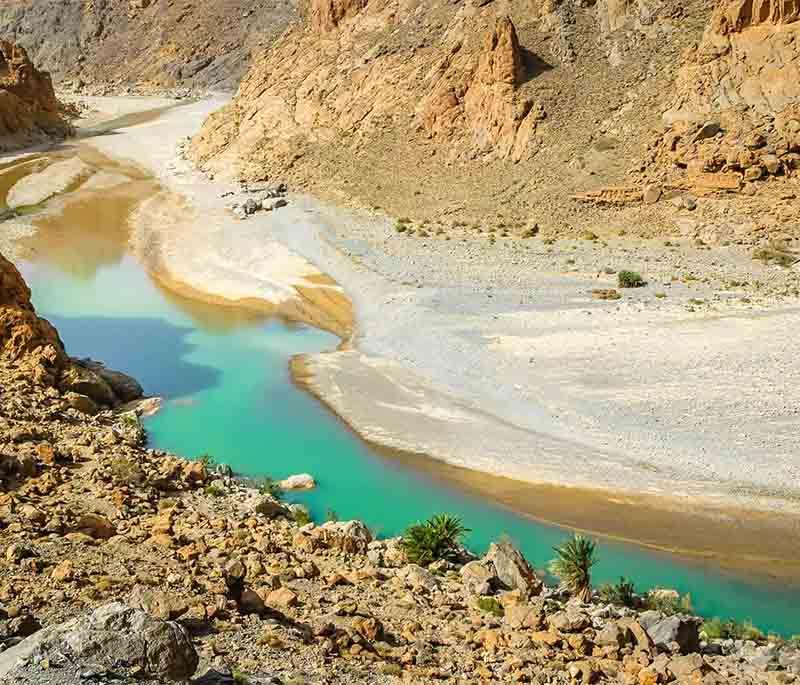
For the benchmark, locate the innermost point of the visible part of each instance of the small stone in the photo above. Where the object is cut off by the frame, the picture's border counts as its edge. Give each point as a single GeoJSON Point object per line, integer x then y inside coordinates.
{"type": "Point", "coordinates": [282, 597]}
{"type": "Point", "coordinates": [652, 194]}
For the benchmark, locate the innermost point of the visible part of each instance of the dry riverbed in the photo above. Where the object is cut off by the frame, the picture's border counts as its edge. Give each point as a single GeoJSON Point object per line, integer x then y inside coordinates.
{"type": "Point", "coordinates": [492, 354]}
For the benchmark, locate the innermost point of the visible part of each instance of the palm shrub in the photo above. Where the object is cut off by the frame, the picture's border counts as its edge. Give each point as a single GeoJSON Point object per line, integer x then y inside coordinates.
{"type": "Point", "coordinates": [573, 565]}
{"type": "Point", "coordinates": [437, 538]}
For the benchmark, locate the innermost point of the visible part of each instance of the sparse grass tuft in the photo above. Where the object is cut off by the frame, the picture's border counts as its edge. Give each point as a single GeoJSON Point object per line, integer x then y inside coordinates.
{"type": "Point", "coordinates": [491, 606]}
{"type": "Point", "coordinates": [214, 490]}
{"type": "Point", "coordinates": [301, 517]}
{"type": "Point", "coordinates": [208, 461]}
{"type": "Point", "coordinates": [127, 471]}
{"type": "Point", "coordinates": [668, 603]}
{"type": "Point", "coordinates": [437, 538]}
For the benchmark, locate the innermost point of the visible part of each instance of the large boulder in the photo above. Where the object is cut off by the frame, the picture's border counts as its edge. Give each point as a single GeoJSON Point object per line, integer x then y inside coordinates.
{"type": "Point", "coordinates": [503, 568]}
{"type": "Point", "coordinates": [683, 630]}
{"type": "Point", "coordinates": [125, 387]}
{"type": "Point", "coordinates": [113, 636]}
{"type": "Point", "coordinates": [78, 379]}
{"type": "Point", "coordinates": [512, 569]}
{"type": "Point", "coordinates": [350, 537]}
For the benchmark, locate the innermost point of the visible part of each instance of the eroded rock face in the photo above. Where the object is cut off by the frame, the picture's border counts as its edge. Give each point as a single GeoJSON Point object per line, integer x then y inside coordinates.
{"type": "Point", "coordinates": [749, 58]}
{"type": "Point", "coordinates": [29, 111]}
{"type": "Point", "coordinates": [34, 345]}
{"type": "Point", "coordinates": [326, 15]}
{"type": "Point", "coordinates": [475, 104]}
{"type": "Point", "coordinates": [733, 17]}
{"type": "Point", "coordinates": [24, 337]}
{"type": "Point", "coordinates": [101, 47]}
{"type": "Point", "coordinates": [736, 118]}
{"type": "Point", "coordinates": [337, 80]}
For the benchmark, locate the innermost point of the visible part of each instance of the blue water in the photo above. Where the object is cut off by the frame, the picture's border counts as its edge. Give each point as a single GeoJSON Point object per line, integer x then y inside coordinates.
{"type": "Point", "coordinates": [225, 376]}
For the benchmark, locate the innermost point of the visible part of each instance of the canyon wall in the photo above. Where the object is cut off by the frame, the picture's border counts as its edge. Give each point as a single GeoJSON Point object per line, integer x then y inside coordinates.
{"type": "Point", "coordinates": [512, 108]}
{"type": "Point", "coordinates": [455, 108]}
{"type": "Point", "coordinates": [108, 45]}
{"type": "Point", "coordinates": [29, 111]}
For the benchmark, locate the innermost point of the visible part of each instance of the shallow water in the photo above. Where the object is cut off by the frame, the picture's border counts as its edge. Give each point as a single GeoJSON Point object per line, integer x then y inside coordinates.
{"type": "Point", "coordinates": [225, 376]}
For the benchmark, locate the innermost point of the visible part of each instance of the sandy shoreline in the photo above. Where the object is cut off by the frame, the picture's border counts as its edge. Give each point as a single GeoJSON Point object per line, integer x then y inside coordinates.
{"type": "Point", "coordinates": [495, 358]}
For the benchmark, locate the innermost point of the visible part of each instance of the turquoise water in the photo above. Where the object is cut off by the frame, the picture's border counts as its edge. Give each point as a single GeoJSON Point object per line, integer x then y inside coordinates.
{"type": "Point", "coordinates": [226, 379]}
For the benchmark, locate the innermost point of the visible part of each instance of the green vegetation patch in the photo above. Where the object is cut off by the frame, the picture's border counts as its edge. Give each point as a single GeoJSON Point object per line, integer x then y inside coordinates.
{"type": "Point", "coordinates": [438, 538]}
{"type": "Point", "coordinates": [573, 565]}
{"type": "Point", "coordinates": [490, 605]}
{"type": "Point", "coordinates": [630, 279]}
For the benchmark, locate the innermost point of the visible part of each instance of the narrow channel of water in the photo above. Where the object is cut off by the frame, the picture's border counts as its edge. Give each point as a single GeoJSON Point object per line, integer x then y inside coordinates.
{"type": "Point", "coordinates": [225, 376]}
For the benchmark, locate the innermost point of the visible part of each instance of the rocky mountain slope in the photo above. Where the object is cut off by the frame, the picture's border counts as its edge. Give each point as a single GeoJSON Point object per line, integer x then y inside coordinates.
{"type": "Point", "coordinates": [29, 111]}
{"type": "Point", "coordinates": [143, 567]}
{"type": "Point", "coordinates": [549, 113]}
{"type": "Point", "coordinates": [150, 45]}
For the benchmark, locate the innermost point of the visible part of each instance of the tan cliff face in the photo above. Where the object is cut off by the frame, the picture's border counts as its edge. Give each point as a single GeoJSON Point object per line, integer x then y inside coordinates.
{"type": "Point", "coordinates": [749, 57]}
{"type": "Point", "coordinates": [474, 104]}
{"type": "Point", "coordinates": [735, 121]}
{"type": "Point", "coordinates": [29, 111]}
{"type": "Point", "coordinates": [507, 111]}
{"type": "Point", "coordinates": [24, 337]}
{"type": "Point", "coordinates": [32, 345]}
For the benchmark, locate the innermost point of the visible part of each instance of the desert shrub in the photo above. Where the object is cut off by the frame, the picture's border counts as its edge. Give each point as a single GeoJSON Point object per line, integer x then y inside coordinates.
{"type": "Point", "coordinates": [573, 565]}
{"type": "Point", "coordinates": [490, 605]}
{"type": "Point", "coordinates": [622, 592]}
{"type": "Point", "coordinates": [269, 486]}
{"type": "Point", "coordinates": [437, 538]}
{"type": "Point", "coordinates": [775, 254]}
{"type": "Point", "coordinates": [630, 279]}
{"type": "Point", "coordinates": [207, 460]}
{"type": "Point", "coordinates": [718, 629]}
{"type": "Point", "coordinates": [126, 471]}
{"type": "Point", "coordinates": [214, 490]}
{"type": "Point", "coordinates": [668, 603]}
{"type": "Point", "coordinates": [301, 517]}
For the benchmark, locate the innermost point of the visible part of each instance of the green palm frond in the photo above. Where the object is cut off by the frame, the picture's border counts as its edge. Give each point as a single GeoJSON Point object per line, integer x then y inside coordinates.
{"type": "Point", "coordinates": [437, 538]}
{"type": "Point", "coordinates": [573, 565]}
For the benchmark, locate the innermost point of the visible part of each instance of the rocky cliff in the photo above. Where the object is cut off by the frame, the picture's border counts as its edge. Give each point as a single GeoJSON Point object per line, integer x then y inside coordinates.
{"type": "Point", "coordinates": [32, 346]}
{"type": "Point", "coordinates": [25, 338]}
{"type": "Point", "coordinates": [29, 111]}
{"type": "Point", "coordinates": [506, 110]}
{"type": "Point", "coordinates": [109, 45]}
{"type": "Point", "coordinates": [736, 117]}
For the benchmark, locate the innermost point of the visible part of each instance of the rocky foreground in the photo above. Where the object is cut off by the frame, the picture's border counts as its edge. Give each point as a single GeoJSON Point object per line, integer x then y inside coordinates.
{"type": "Point", "coordinates": [125, 563]}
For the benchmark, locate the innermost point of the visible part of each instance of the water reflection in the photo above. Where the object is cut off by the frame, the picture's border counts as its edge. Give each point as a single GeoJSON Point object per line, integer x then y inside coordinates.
{"type": "Point", "coordinates": [155, 349]}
